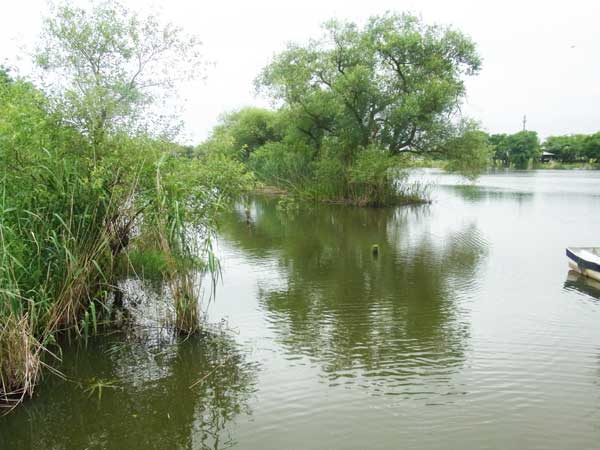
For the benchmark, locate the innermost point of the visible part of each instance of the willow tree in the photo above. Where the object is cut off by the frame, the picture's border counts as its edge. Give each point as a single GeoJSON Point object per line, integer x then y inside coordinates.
{"type": "Point", "coordinates": [108, 65]}
{"type": "Point", "coordinates": [395, 84]}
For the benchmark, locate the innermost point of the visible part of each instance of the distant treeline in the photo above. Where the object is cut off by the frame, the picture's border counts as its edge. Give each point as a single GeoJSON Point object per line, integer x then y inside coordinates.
{"type": "Point", "coordinates": [524, 148]}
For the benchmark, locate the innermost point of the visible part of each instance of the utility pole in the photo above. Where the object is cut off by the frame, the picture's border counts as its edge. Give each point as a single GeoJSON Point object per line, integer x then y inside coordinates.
{"type": "Point", "coordinates": [524, 122]}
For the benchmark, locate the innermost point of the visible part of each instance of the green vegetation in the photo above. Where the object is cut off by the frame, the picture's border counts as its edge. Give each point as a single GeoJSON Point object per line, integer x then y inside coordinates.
{"type": "Point", "coordinates": [354, 105]}
{"type": "Point", "coordinates": [93, 189]}
{"type": "Point", "coordinates": [518, 150]}
{"type": "Point", "coordinates": [523, 149]}
{"type": "Point", "coordinates": [578, 148]}
{"type": "Point", "coordinates": [83, 183]}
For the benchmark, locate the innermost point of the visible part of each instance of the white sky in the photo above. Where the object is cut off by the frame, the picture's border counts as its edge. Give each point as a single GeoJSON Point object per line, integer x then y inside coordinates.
{"type": "Point", "coordinates": [540, 58]}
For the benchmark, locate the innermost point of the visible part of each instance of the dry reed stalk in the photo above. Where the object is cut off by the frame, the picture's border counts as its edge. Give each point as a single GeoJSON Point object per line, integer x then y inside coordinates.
{"type": "Point", "coordinates": [20, 361]}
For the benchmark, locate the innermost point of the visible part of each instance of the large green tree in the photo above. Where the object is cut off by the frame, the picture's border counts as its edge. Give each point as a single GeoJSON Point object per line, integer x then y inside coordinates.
{"type": "Point", "coordinates": [524, 148]}
{"type": "Point", "coordinates": [107, 66]}
{"type": "Point", "coordinates": [592, 146]}
{"type": "Point", "coordinates": [395, 83]}
{"type": "Point", "coordinates": [499, 144]}
{"type": "Point", "coordinates": [241, 132]}
{"type": "Point", "coordinates": [567, 149]}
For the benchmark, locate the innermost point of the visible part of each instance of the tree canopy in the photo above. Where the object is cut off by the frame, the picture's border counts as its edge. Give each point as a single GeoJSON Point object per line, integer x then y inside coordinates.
{"type": "Point", "coordinates": [107, 65]}
{"type": "Point", "coordinates": [574, 148]}
{"type": "Point", "coordinates": [396, 83]}
{"type": "Point", "coordinates": [242, 132]}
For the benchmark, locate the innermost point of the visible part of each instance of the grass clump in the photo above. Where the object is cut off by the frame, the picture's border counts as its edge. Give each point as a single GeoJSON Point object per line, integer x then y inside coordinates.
{"type": "Point", "coordinates": [20, 356]}
{"type": "Point", "coordinates": [72, 209]}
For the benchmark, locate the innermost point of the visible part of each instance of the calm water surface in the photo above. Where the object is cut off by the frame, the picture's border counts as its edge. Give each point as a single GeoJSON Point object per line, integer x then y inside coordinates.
{"type": "Point", "coordinates": [465, 332]}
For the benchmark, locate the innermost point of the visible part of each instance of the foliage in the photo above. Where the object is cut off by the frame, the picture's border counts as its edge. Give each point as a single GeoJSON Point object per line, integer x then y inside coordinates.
{"type": "Point", "coordinates": [351, 103]}
{"type": "Point", "coordinates": [80, 187]}
{"type": "Point", "coordinates": [566, 149]}
{"type": "Point", "coordinates": [574, 148]}
{"type": "Point", "coordinates": [518, 150]}
{"type": "Point", "coordinates": [591, 146]}
{"type": "Point", "coordinates": [280, 164]}
{"type": "Point", "coordinates": [372, 178]}
{"type": "Point", "coordinates": [241, 132]}
{"type": "Point", "coordinates": [524, 147]}
{"type": "Point", "coordinates": [392, 83]}
{"type": "Point", "coordinates": [109, 65]}
{"type": "Point", "coordinates": [521, 149]}
{"type": "Point", "coordinates": [469, 152]}
{"type": "Point", "coordinates": [501, 152]}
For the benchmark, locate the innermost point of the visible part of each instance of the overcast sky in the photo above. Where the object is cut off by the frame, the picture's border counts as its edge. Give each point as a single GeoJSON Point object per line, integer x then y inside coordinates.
{"type": "Point", "coordinates": [540, 58]}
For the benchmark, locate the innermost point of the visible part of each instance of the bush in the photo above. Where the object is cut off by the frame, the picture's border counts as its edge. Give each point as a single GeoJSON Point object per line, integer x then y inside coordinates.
{"type": "Point", "coordinates": [281, 164]}
{"type": "Point", "coordinates": [470, 152]}
{"type": "Point", "coordinates": [68, 210]}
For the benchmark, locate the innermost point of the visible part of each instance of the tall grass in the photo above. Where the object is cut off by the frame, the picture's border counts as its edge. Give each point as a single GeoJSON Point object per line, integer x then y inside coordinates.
{"type": "Point", "coordinates": [54, 265]}
{"type": "Point", "coordinates": [60, 239]}
{"type": "Point", "coordinates": [71, 209]}
{"type": "Point", "coordinates": [20, 356]}
{"type": "Point", "coordinates": [373, 177]}
{"type": "Point", "coordinates": [63, 226]}
{"type": "Point", "coordinates": [179, 246]}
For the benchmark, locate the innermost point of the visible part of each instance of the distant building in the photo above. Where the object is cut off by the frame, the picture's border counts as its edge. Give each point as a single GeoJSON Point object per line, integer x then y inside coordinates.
{"type": "Point", "coordinates": [547, 157]}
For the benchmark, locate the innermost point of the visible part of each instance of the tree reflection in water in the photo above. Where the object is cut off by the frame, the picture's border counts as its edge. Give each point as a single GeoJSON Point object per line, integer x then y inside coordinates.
{"type": "Point", "coordinates": [391, 322]}
{"type": "Point", "coordinates": [146, 402]}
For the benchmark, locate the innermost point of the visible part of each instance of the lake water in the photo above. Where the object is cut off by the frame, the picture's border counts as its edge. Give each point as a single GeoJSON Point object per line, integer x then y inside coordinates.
{"type": "Point", "coordinates": [465, 331]}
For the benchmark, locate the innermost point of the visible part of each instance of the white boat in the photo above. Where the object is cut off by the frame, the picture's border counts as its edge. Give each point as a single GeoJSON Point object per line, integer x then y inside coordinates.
{"type": "Point", "coordinates": [585, 260]}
